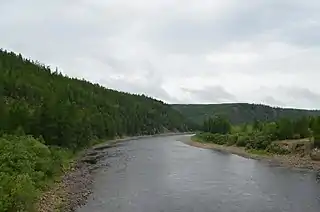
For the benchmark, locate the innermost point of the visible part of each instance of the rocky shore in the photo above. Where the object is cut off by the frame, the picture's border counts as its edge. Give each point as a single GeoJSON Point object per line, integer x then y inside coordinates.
{"type": "Point", "coordinates": [76, 185]}
{"type": "Point", "coordinates": [291, 160]}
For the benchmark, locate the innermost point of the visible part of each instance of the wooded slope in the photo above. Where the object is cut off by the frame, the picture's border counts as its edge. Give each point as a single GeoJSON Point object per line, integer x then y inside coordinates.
{"type": "Point", "coordinates": [240, 112]}
{"type": "Point", "coordinates": [69, 112]}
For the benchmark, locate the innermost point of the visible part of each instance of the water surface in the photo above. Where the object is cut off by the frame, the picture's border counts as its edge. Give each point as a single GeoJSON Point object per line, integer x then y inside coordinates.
{"type": "Point", "coordinates": [163, 174]}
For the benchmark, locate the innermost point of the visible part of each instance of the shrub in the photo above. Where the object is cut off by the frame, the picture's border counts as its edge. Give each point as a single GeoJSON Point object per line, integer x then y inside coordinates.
{"type": "Point", "coordinates": [259, 142]}
{"type": "Point", "coordinates": [317, 140]}
{"type": "Point", "coordinates": [277, 149]}
{"type": "Point", "coordinates": [26, 165]}
{"type": "Point", "coordinates": [220, 139]}
{"type": "Point", "coordinates": [216, 138]}
{"type": "Point", "coordinates": [17, 192]}
{"type": "Point", "coordinates": [217, 124]}
{"type": "Point", "coordinates": [232, 140]}
{"type": "Point", "coordinates": [206, 137]}
{"type": "Point", "coordinates": [242, 140]}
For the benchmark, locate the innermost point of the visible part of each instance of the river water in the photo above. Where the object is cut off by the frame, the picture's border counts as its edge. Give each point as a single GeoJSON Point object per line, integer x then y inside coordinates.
{"type": "Point", "coordinates": [163, 174]}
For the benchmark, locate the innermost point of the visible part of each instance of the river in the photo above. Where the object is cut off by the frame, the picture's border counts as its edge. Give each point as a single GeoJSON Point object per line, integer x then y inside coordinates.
{"type": "Point", "coordinates": [163, 174]}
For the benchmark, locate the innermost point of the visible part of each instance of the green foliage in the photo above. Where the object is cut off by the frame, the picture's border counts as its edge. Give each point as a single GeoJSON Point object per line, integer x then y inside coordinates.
{"type": "Point", "coordinates": [260, 136]}
{"type": "Point", "coordinates": [26, 166]}
{"type": "Point", "coordinates": [317, 141]}
{"type": "Point", "coordinates": [217, 124]}
{"type": "Point", "coordinates": [285, 129]}
{"type": "Point", "coordinates": [257, 125]}
{"type": "Point", "coordinates": [232, 140]}
{"type": "Point", "coordinates": [239, 113]}
{"type": "Point", "coordinates": [17, 193]}
{"type": "Point", "coordinates": [216, 138]}
{"type": "Point", "coordinates": [270, 129]}
{"type": "Point", "coordinates": [316, 131]}
{"type": "Point", "coordinates": [301, 127]}
{"type": "Point", "coordinates": [258, 141]}
{"type": "Point", "coordinates": [70, 112]}
{"type": "Point", "coordinates": [242, 140]}
{"type": "Point", "coordinates": [277, 149]}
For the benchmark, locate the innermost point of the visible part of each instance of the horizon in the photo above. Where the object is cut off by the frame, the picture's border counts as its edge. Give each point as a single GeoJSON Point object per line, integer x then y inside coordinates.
{"type": "Point", "coordinates": [205, 52]}
{"type": "Point", "coordinates": [178, 103]}
{"type": "Point", "coordinates": [218, 103]}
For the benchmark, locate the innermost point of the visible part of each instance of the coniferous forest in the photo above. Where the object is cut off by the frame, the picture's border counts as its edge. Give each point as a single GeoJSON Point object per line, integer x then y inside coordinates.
{"type": "Point", "coordinates": [46, 117]}
{"type": "Point", "coordinates": [68, 112]}
{"type": "Point", "coordinates": [240, 113]}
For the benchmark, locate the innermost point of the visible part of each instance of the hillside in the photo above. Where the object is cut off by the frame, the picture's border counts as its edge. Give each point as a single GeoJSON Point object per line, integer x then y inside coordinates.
{"type": "Point", "coordinates": [68, 111]}
{"type": "Point", "coordinates": [47, 118]}
{"type": "Point", "coordinates": [239, 112]}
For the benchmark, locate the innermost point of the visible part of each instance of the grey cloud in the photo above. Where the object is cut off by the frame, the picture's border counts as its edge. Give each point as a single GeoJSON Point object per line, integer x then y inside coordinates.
{"type": "Point", "coordinates": [269, 100]}
{"type": "Point", "coordinates": [246, 22]}
{"type": "Point", "coordinates": [213, 94]}
{"type": "Point", "coordinates": [305, 36]}
{"type": "Point", "coordinates": [116, 64]}
{"type": "Point", "coordinates": [137, 88]}
{"type": "Point", "coordinates": [159, 49]}
{"type": "Point", "coordinates": [302, 93]}
{"type": "Point", "coordinates": [290, 96]}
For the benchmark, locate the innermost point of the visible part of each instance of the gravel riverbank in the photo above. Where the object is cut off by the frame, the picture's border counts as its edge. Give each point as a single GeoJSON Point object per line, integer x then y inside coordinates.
{"type": "Point", "coordinates": [292, 160]}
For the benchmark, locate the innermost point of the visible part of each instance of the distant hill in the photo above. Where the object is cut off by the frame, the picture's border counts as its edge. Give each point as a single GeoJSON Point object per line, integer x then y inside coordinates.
{"type": "Point", "coordinates": [239, 112]}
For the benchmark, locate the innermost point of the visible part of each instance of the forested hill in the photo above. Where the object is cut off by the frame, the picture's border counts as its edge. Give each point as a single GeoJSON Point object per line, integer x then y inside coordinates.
{"type": "Point", "coordinates": [69, 112]}
{"type": "Point", "coordinates": [240, 112]}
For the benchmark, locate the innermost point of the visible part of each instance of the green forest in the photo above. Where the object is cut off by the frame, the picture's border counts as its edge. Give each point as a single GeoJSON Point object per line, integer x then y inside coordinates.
{"type": "Point", "coordinates": [261, 136]}
{"type": "Point", "coordinates": [238, 113]}
{"type": "Point", "coordinates": [46, 117]}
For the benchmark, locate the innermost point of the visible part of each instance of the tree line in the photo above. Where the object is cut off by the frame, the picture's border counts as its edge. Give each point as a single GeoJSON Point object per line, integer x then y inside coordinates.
{"type": "Point", "coordinates": [240, 113]}
{"type": "Point", "coordinates": [45, 117]}
{"type": "Point", "coordinates": [261, 134]}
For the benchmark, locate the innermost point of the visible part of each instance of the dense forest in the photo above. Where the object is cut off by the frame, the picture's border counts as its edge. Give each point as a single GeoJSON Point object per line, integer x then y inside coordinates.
{"type": "Point", "coordinates": [45, 117]}
{"type": "Point", "coordinates": [239, 113]}
{"type": "Point", "coordinates": [67, 112]}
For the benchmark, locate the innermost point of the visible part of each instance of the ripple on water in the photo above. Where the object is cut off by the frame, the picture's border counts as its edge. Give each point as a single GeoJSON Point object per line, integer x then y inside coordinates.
{"type": "Point", "coordinates": [164, 174]}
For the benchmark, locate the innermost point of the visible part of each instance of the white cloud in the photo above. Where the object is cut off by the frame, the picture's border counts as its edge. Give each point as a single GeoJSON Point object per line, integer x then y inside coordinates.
{"type": "Point", "coordinates": [178, 51]}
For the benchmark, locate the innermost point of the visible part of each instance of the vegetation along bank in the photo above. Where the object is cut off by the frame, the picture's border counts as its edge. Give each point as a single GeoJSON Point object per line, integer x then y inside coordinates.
{"type": "Point", "coordinates": [287, 142]}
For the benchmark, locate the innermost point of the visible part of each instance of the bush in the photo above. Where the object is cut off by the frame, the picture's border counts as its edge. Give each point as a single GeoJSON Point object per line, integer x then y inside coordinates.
{"type": "Point", "coordinates": [242, 140]}
{"type": "Point", "coordinates": [217, 124]}
{"type": "Point", "coordinates": [317, 141]}
{"type": "Point", "coordinates": [277, 149]}
{"type": "Point", "coordinates": [232, 140]}
{"type": "Point", "coordinates": [26, 166]}
{"type": "Point", "coordinates": [259, 141]}
{"type": "Point", "coordinates": [206, 137]}
{"type": "Point", "coordinates": [17, 192]}
{"type": "Point", "coordinates": [216, 138]}
{"type": "Point", "coordinates": [270, 129]}
{"type": "Point", "coordinates": [220, 139]}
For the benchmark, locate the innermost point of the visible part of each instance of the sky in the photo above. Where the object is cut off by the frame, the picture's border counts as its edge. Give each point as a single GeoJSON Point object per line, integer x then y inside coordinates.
{"type": "Point", "coordinates": [179, 51]}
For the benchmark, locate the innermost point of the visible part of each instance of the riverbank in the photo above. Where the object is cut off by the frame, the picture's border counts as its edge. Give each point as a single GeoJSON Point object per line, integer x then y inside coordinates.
{"type": "Point", "coordinates": [75, 185]}
{"type": "Point", "coordinates": [291, 160]}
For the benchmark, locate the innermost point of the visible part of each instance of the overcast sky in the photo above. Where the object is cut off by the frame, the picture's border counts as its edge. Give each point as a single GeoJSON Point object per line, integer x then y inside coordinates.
{"type": "Point", "coordinates": [182, 51]}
